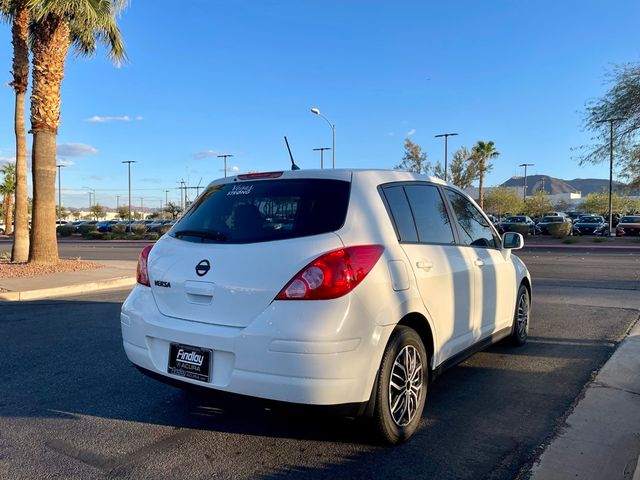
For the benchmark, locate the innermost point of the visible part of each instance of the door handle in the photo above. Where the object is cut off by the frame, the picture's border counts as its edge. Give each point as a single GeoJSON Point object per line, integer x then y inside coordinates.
{"type": "Point", "coordinates": [424, 264]}
{"type": "Point", "coordinates": [478, 263]}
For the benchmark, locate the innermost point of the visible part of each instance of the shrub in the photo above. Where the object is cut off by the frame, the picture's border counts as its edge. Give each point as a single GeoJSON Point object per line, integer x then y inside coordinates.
{"type": "Point", "coordinates": [569, 240]}
{"type": "Point", "coordinates": [137, 237]}
{"type": "Point", "coordinates": [86, 229]}
{"type": "Point", "coordinates": [138, 229]}
{"type": "Point", "coordinates": [559, 230]}
{"type": "Point", "coordinates": [152, 236]}
{"type": "Point", "coordinates": [118, 236]}
{"type": "Point", "coordinates": [66, 230]}
{"type": "Point", "coordinates": [94, 235]}
{"type": "Point", "coordinates": [118, 228]}
{"type": "Point", "coordinates": [598, 240]}
{"type": "Point", "coordinates": [107, 236]}
{"type": "Point", "coordinates": [164, 229]}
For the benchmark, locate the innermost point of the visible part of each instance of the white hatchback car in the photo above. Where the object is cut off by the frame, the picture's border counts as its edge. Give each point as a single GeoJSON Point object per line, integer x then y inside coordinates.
{"type": "Point", "coordinates": [326, 287]}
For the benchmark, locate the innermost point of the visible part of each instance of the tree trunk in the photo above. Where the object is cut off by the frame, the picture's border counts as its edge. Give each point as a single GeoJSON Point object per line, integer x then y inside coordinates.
{"type": "Point", "coordinates": [20, 37]}
{"type": "Point", "coordinates": [8, 200]}
{"type": "Point", "coordinates": [481, 186]}
{"type": "Point", "coordinates": [50, 46]}
{"type": "Point", "coordinates": [44, 244]}
{"type": "Point", "coordinates": [20, 250]}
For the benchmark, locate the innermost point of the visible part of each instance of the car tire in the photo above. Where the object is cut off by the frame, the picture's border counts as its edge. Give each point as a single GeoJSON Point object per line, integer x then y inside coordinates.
{"type": "Point", "coordinates": [394, 423]}
{"type": "Point", "coordinates": [521, 316]}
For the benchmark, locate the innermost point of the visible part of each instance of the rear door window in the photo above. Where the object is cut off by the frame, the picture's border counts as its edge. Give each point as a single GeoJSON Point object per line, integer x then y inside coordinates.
{"type": "Point", "coordinates": [401, 213]}
{"type": "Point", "coordinates": [265, 210]}
{"type": "Point", "coordinates": [430, 214]}
{"type": "Point", "coordinates": [419, 214]}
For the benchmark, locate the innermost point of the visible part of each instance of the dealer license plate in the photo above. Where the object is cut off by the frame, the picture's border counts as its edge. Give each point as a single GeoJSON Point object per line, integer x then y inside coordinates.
{"type": "Point", "coordinates": [189, 362]}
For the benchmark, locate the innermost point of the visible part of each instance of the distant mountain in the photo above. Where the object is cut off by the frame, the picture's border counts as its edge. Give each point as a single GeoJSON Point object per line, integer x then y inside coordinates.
{"type": "Point", "coordinates": [553, 186]}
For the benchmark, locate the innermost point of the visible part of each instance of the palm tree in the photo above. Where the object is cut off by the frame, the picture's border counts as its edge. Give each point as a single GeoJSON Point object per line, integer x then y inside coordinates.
{"type": "Point", "coordinates": [57, 25]}
{"type": "Point", "coordinates": [482, 153]}
{"type": "Point", "coordinates": [17, 13]}
{"type": "Point", "coordinates": [7, 189]}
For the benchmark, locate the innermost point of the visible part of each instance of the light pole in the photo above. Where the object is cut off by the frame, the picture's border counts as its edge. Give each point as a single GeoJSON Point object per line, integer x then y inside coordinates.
{"type": "Point", "coordinates": [333, 135]}
{"type": "Point", "coordinates": [225, 156]}
{"type": "Point", "coordinates": [446, 153]}
{"type": "Point", "coordinates": [321, 150]}
{"type": "Point", "coordinates": [59, 194]}
{"type": "Point", "coordinates": [129, 162]}
{"type": "Point", "coordinates": [524, 192]}
{"type": "Point", "coordinates": [117, 202]}
{"type": "Point", "coordinates": [142, 207]}
{"type": "Point", "coordinates": [611, 121]}
{"type": "Point", "coordinates": [166, 201]}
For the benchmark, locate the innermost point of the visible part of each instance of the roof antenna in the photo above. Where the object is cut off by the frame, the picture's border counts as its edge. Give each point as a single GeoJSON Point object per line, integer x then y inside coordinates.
{"type": "Point", "coordinates": [293, 163]}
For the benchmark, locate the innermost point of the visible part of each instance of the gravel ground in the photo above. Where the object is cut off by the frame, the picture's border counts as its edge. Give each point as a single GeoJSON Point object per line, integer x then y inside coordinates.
{"type": "Point", "coordinates": [15, 270]}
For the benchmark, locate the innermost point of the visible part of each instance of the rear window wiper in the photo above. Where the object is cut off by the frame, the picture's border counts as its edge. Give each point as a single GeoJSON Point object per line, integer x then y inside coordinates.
{"type": "Point", "coordinates": [203, 234]}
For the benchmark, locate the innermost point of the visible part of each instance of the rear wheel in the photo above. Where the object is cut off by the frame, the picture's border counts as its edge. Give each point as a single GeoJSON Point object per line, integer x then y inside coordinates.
{"type": "Point", "coordinates": [402, 386]}
{"type": "Point", "coordinates": [521, 317]}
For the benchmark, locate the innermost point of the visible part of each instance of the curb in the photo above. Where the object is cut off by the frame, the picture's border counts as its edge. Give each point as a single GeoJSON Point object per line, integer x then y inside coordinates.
{"type": "Point", "coordinates": [68, 290]}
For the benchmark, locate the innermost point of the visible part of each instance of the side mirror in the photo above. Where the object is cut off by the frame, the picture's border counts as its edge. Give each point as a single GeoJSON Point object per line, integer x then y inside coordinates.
{"type": "Point", "coordinates": [512, 241]}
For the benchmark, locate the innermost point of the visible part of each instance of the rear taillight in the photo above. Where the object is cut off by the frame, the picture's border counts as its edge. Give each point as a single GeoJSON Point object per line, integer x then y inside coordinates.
{"type": "Point", "coordinates": [333, 274]}
{"type": "Point", "coordinates": [142, 272]}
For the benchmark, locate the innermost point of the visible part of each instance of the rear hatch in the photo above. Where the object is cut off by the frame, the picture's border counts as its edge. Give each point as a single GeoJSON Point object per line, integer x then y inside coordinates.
{"type": "Point", "coordinates": [231, 253]}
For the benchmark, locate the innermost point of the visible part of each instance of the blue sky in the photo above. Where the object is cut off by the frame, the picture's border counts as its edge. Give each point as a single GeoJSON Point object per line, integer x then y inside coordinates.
{"type": "Point", "coordinates": [211, 77]}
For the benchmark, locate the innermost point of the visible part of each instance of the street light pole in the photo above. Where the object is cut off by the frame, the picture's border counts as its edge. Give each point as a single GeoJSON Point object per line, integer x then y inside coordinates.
{"type": "Point", "coordinates": [129, 162]}
{"type": "Point", "coordinates": [142, 207]}
{"type": "Point", "coordinates": [446, 153]}
{"type": "Point", "coordinates": [321, 150]}
{"type": "Point", "coordinates": [611, 121]}
{"type": "Point", "coordinates": [117, 202]}
{"type": "Point", "coordinates": [524, 192]}
{"type": "Point", "coordinates": [225, 156]}
{"type": "Point", "coordinates": [59, 194]}
{"type": "Point", "coordinates": [333, 135]}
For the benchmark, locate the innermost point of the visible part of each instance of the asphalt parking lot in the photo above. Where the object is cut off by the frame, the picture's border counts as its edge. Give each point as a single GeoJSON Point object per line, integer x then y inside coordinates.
{"type": "Point", "coordinates": [73, 407]}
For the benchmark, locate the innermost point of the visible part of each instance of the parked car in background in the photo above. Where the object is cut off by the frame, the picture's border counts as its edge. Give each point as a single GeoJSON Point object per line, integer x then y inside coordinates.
{"type": "Point", "coordinates": [508, 223]}
{"type": "Point", "coordinates": [589, 225]}
{"type": "Point", "coordinates": [105, 226]}
{"type": "Point", "coordinates": [629, 225]}
{"type": "Point", "coordinates": [543, 224]}
{"type": "Point", "coordinates": [326, 287]}
{"type": "Point", "coordinates": [85, 222]}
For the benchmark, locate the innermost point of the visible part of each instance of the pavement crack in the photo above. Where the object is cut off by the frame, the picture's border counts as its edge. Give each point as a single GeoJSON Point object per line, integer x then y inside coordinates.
{"type": "Point", "coordinates": [613, 387]}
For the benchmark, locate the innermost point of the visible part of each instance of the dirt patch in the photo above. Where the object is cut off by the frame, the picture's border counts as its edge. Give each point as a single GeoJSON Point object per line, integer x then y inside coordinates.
{"type": "Point", "coordinates": [18, 270]}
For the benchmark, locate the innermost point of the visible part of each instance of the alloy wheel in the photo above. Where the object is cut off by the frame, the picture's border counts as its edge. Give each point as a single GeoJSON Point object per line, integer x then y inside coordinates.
{"type": "Point", "coordinates": [406, 385]}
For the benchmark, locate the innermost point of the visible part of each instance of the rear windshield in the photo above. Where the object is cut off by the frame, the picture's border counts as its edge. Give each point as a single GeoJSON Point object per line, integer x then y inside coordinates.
{"type": "Point", "coordinates": [265, 210]}
{"type": "Point", "coordinates": [551, 219]}
{"type": "Point", "coordinates": [590, 219]}
{"type": "Point", "coordinates": [516, 219]}
{"type": "Point", "coordinates": [630, 220]}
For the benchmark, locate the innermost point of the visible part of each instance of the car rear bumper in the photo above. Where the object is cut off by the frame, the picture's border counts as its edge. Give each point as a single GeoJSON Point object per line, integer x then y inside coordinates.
{"type": "Point", "coordinates": [281, 356]}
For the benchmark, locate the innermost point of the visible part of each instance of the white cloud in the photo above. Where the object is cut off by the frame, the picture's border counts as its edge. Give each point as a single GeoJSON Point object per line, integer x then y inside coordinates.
{"type": "Point", "coordinates": [76, 150]}
{"type": "Point", "coordinates": [96, 177]}
{"type": "Point", "coordinates": [99, 119]}
{"type": "Point", "coordinates": [234, 169]}
{"type": "Point", "coordinates": [139, 117]}
{"type": "Point", "coordinates": [391, 134]}
{"type": "Point", "coordinates": [411, 132]}
{"type": "Point", "coordinates": [65, 162]}
{"type": "Point", "coordinates": [5, 160]}
{"type": "Point", "coordinates": [205, 154]}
